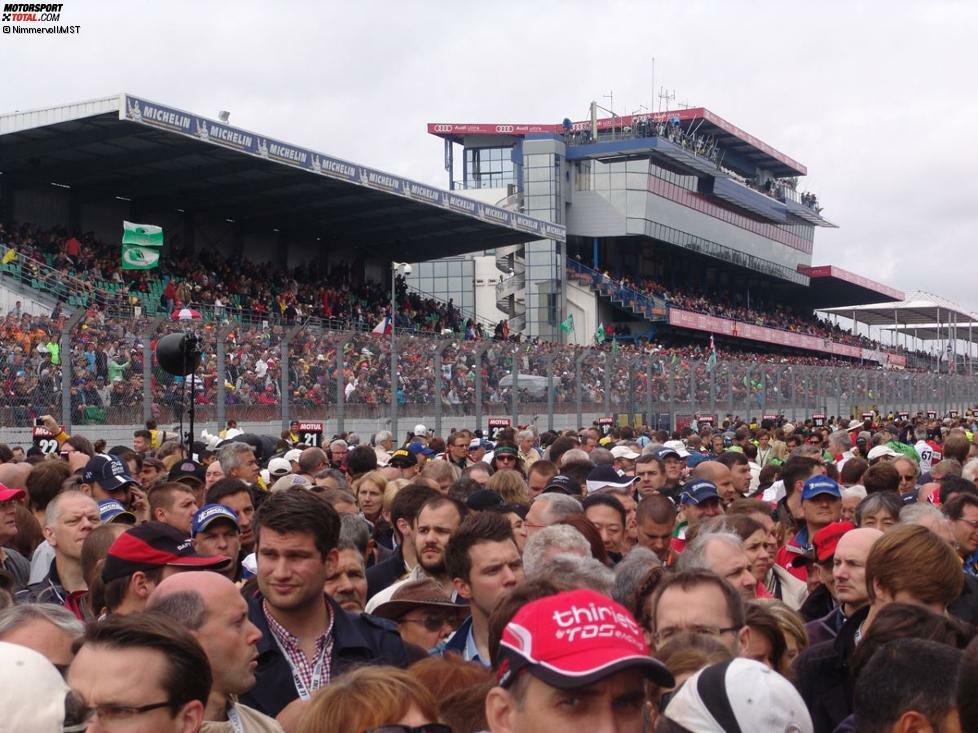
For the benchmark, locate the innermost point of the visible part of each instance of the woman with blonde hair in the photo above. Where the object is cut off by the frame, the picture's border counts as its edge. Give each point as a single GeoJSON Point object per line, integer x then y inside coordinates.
{"type": "Point", "coordinates": [510, 485]}
{"type": "Point", "coordinates": [368, 698]}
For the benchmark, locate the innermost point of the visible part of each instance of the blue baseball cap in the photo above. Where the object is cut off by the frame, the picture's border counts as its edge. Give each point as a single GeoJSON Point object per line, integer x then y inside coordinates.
{"type": "Point", "coordinates": [419, 448]}
{"type": "Point", "coordinates": [698, 491]}
{"type": "Point", "coordinates": [820, 485]}
{"type": "Point", "coordinates": [111, 511]}
{"type": "Point", "coordinates": [210, 513]}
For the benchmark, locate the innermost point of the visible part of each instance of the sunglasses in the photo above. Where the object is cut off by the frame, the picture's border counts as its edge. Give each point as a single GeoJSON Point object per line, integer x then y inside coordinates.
{"type": "Point", "coordinates": [431, 623]}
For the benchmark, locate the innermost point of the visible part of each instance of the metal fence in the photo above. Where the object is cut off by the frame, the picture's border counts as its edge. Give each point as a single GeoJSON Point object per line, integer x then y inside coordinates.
{"type": "Point", "coordinates": [104, 372]}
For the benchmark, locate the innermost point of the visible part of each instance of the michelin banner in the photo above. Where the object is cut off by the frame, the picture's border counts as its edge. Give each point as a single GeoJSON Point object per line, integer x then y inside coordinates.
{"type": "Point", "coordinates": [149, 113]}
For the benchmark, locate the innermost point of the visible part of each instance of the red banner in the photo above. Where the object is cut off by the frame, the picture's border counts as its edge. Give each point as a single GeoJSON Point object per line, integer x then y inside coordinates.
{"type": "Point", "coordinates": [737, 329]}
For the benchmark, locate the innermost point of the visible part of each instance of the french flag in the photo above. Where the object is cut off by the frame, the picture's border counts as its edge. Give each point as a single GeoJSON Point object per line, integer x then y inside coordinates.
{"type": "Point", "coordinates": [384, 327]}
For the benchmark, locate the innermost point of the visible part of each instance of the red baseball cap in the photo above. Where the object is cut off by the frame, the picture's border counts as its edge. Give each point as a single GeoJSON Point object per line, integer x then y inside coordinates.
{"type": "Point", "coordinates": [827, 538]}
{"type": "Point", "coordinates": [155, 545]}
{"type": "Point", "coordinates": [8, 494]}
{"type": "Point", "coordinates": [574, 639]}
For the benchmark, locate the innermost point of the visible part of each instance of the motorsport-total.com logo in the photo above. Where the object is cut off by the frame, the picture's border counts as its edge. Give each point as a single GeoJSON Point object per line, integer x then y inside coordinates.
{"type": "Point", "coordinates": [32, 12]}
{"type": "Point", "coordinates": [35, 19]}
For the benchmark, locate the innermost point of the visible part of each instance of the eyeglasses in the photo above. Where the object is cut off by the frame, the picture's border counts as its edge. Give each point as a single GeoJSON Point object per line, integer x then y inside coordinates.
{"type": "Point", "coordinates": [426, 728]}
{"type": "Point", "coordinates": [664, 635]}
{"type": "Point", "coordinates": [973, 523]}
{"type": "Point", "coordinates": [78, 716]}
{"type": "Point", "coordinates": [431, 623]}
{"type": "Point", "coordinates": [908, 477]}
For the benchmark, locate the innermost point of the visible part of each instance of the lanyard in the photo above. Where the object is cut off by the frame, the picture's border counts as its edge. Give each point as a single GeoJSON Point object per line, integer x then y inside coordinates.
{"type": "Point", "coordinates": [235, 719]}
{"type": "Point", "coordinates": [317, 671]}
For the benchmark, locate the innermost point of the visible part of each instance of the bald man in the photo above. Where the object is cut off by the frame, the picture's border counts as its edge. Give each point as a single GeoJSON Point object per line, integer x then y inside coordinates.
{"type": "Point", "coordinates": [211, 608]}
{"type": "Point", "coordinates": [720, 476]}
{"type": "Point", "coordinates": [849, 579]}
{"type": "Point", "coordinates": [14, 475]}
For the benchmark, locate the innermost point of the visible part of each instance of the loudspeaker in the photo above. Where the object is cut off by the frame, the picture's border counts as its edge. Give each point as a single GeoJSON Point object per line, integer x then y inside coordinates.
{"type": "Point", "coordinates": [178, 353]}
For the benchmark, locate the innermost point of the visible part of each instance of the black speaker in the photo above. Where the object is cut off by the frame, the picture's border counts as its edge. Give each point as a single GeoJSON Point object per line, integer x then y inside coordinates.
{"type": "Point", "coordinates": [178, 353]}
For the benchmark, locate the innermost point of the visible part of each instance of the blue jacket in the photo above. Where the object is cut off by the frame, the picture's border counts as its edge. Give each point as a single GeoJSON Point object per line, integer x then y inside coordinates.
{"type": "Point", "coordinates": [358, 639]}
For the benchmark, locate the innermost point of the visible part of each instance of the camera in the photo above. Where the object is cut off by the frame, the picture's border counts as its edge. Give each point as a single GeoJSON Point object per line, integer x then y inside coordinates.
{"type": "Point", "coordinates": [39, 422]}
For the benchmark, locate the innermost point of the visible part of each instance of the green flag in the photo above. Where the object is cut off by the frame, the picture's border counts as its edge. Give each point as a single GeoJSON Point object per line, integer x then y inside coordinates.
{"type": "Point", "coordinates": [139, 258]}
{"type": "Point", "coordinates": [614, 345]}
{"type": "Point", "coordinates": [144, 235]}
{"type": "Point", "coordinates": [567, 325]}
{"type": "Point", "coordinates": [599, 334]}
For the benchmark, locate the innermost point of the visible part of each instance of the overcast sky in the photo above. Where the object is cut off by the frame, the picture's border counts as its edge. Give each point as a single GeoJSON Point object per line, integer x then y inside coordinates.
{"type": "Point", "coordinates": [878, 99]}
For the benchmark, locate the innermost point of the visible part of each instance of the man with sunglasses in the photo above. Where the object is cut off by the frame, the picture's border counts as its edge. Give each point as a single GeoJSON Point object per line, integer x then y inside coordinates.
{"type": "Point", "coordinates": [423, 611]}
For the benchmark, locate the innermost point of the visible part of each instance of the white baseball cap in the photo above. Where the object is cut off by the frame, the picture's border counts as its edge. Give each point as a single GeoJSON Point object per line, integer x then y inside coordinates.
{"type": "Point", "coordinates": [32, 692]}
{"type": "Point", "coordinates": [739, 694]}
{"type": "Point", "coordinates": [420, 429]}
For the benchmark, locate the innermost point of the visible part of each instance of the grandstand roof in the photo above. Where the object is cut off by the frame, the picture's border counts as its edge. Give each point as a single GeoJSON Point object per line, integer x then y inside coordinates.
{"type": "Point", "coordinates": [919, 309]}
{"type": "Point", "coordinates": [941, 331]}
{"type": "Point", "coordinates": [728, 135]}
{"type": "Point", "coordinates": [159, 156]}
{"type": "Point", "coordinates": [832, 286]}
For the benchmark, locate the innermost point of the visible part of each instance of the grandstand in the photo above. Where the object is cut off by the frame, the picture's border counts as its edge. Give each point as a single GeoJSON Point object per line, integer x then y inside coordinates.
{"type": "Point", "coordinates": [679, 225]}
{"type": "Point", "coordinates": [285, 254]}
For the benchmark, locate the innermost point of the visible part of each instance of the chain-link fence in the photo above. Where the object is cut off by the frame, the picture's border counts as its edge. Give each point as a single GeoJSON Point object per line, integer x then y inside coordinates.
{"type": "Point", "coordinates": [90, 369]}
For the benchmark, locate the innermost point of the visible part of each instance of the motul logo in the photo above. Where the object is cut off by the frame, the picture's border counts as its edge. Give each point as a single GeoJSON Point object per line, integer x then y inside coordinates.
{"type": "Point", "coordinates": [505, 128]}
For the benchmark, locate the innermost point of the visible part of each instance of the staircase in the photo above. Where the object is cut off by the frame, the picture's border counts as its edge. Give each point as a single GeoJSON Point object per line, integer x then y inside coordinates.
{"type": "Point", "coordinates": [511, 290]}
{"type": "Point", "coordinates": [644, 306]}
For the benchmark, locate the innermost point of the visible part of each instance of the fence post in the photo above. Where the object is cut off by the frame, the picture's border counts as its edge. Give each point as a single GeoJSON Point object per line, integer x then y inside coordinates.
{"type": "Point", "coordinates": [440, 347]}
{"type": "Point", "coordinates": [478, 354]}
{"type": "Point", "coordinates": [284, 377]}
{"type": "Point", "coordinates": [66, 365]}
{"type": "Point", "coordinates": [672, 400]}
{"type": "Point", "coordinates": [146, 337]}
{"type": "Point", "coordinates": [649, 376]}
{"type": "Point", "coordinates": [340, 386]}
{"type": "Point", "coordinates": [579, 396]}
{"type": "Point", "coordinates": [514, 390]}
{"type": "Point", "coordinates": [550, 391]}
{"type": "Point", "coordinates": [609, 365]}
{"type": "Point", "coordinates": [222, 371]}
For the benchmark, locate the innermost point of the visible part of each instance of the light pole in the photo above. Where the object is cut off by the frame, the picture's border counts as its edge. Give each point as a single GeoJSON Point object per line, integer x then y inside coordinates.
{"type": "Point", "coordinates": [396, 269]}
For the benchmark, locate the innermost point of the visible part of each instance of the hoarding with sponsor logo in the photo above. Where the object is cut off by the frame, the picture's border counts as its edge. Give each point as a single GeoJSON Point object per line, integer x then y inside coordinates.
{"type": "Point", "coordinates": [738, 329]}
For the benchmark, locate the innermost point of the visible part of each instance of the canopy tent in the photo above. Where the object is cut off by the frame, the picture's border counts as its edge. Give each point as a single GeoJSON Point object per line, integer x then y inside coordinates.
{"type": "Point", "coordinates": [941, 331]}
{"type": "Point", "coordinates": [922, 316]}
{"type": "Point", "coordinates": [918, 309]}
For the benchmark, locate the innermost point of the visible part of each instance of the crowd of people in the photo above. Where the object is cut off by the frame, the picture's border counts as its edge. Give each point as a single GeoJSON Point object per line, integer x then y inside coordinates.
{"type": "Point", "coordinates": [221, 285]}
{"type": "Point", "coordinates": [746, 576]}
{"type": "Point", "coordinates": [108, 378]}
{"type": "Point", "coordinates": [774, 315]}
